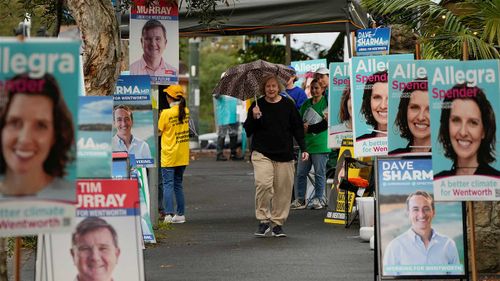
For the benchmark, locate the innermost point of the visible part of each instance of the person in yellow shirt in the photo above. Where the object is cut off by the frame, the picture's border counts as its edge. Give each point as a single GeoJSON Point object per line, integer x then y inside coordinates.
{"type": "Point", "coordinates": [173, 125]}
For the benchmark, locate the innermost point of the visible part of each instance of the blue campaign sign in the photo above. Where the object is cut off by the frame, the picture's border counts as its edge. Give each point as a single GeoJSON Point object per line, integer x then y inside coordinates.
{"type": "Point", "coordinates": [404, 183]}
{"type": "Point", "coordinates": [373, 41]}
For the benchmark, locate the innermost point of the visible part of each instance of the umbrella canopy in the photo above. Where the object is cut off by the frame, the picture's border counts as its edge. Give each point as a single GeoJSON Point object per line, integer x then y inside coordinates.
{"type": "Point", "coordinates": [244, 80]}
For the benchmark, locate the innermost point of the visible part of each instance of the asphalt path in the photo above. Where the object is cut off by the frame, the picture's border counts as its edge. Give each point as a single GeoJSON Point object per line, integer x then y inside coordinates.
{"type": "Point", "coordinates": [217, 241]}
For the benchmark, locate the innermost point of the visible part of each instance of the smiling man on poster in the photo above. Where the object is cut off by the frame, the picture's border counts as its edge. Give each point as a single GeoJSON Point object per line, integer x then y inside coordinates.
{"type": "Point", "coordinates": [95, 250]}
{"type": "Point", "coordinates": [124, 140]}
{"type": "Point", "coordinates": [154, 43]}
{"type": "Point", "coordinates": [421, 250]}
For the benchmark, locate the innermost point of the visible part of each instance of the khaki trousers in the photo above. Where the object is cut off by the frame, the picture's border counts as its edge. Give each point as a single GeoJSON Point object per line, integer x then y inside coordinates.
{"type": "Point", "coordinates": [273, 188]}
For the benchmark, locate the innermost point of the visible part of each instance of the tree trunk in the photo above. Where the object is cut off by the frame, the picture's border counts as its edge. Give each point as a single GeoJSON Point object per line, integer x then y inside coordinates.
{"type": "Point", "coordinates": [101, 44]}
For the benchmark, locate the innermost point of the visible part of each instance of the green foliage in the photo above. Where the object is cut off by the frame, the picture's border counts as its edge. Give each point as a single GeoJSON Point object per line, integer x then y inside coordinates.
{"type": "Point", "coordinates": [268, 52]}
{"type": "Point", "coordinates": [444, 28]}
{"type": "Point", "coordinates": [206, 10]}
{"type": "Point", "coordinates": [183, 49]}
{"type": "Point", "coordinates": [12, 13]}
{"type": "Point", "coordinates": [216, 56]}
{"type": "Point", "coordinates": [29, 242]}
{"type": "Point", "coordinates": [45, 13]}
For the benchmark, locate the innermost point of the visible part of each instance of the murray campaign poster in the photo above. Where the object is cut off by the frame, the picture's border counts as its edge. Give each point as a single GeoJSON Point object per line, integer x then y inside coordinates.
{"type": "Point", "coordinates": [465, 106]}
{"type": "Point", "coordinates": [39, 82]}
{"type": "Point", "coordinates": [409, 122]}
{"type": "Point", "coordinates": [95, 116]}
{"type": "Point", "coordinates": [107, 234]}
{"type": "Point", "coordinates": [154, 40]}
{"type": "Point", "coordinates": [417, 237]}
{"type": "Point", "coordinates": [369, 90]}
{"type": "Point", "coordinates": [340, 109]}
{"type": "Point", "coordinates": [133, 130]}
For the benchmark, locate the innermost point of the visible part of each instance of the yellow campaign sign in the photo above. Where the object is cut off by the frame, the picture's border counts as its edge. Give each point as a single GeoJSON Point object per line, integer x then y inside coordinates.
{"type": "Point", "coordinates": [336, 213]}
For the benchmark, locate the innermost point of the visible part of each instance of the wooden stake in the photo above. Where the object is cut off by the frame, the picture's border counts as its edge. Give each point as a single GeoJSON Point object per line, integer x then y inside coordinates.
{"type": "Point", "coordinates": [470, 205]}
{"type": "Point", "coordinates": [465, 51]}
{"type": "Point", "coordinates": [470, 222]}
{"type": "Point", "coordinates": [353, 44]}
{"type": "Point", "coordinates": [17, 258]}
{"type": "Point", "coordinates": [418, 52]}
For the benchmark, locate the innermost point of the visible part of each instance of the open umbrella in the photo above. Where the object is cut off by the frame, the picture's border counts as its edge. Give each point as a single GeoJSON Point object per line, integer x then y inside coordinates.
{"type": "Point", "coordinates": [243, 81]}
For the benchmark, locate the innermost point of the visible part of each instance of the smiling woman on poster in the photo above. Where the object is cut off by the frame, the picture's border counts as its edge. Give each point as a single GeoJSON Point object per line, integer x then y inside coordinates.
{"type": "Point", "coordinates": [467, 133]}
{"type": "Point", "coordinates": [36, 136]}
{"type": "Point", "coordinates": [345, 113]}
{"type": "Point", "coordinates": [413, 118]}
{"type": "Point", "coordinates": [374, 106]}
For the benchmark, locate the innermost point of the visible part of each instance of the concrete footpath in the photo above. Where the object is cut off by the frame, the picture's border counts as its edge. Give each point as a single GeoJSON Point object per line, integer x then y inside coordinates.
{"type": "Point", "coordinates": [217, 241]}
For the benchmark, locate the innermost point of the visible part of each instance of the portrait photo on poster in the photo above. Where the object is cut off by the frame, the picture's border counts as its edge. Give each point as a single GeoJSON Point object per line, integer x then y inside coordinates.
{"type": "Point", "coordinates": [374, 105]}
{"type": "Point", "coordinates": [418, 236]}
{"type": "Point", "coordinates": [154, 49]}
{"type": "Point", "coordinates": [98, 248]}
{"type": "Point", "coordinates": [412, 120]}
{"type": "Point", "coordinates": [133, 130]}
{"type": "Point", "coordinates": [37, 138]}
{"type": "Point", "coordinates": [467, 133]}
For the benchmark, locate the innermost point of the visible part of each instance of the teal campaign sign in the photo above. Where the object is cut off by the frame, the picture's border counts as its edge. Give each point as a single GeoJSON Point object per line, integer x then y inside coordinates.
{"type": "Point", "coordinates": [369, 95]}
{"type": "Point", "coordinates": [340, 109]}
{"type": "Point", "coordinates": [225, 110]}
{"type": "Point", "coordinates": [306, 66]}
{"type": "Point", "coordinates": [39, 86]}
{"type": "Point", "coordinates": [408, 129]}
{"type": "Point", "coordinates": [464, 107]}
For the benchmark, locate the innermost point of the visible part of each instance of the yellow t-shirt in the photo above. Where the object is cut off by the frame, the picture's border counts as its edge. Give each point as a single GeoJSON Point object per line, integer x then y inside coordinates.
{"type": "Point", "coordinates": [174, 138]}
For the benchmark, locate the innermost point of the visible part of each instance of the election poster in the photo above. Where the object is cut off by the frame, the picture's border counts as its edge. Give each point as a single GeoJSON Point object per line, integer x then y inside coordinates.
{"type": "Point", "coordinates": [146, 225]}
{"type": "Point", "coordinates": [95, 122]}
{"type": "Point", "coordinates": [418, 237]}
{"type": "Point", "coordinates": [465, 105]}
{"type": "Point", "coordinates": [369, 91]}
{"type": "Point", "coordinates": [409, 122]}
{"type": "Point", "coordinates": [107, 230]}
{"type": "Point", "coordinates": [154, 41]}
{"type": "Point", "coordinates": [340, 109]}
{"type": "Point", "coordinates": [305, 71]}
{"type": "Point", "coordinates": [38, 91]}
{"type": "Point", "coordinates": [133, 130]}
{"type": "Point", "coordinates": [336, 212]}
{"type": "Point", "coordinates": [373, 41]}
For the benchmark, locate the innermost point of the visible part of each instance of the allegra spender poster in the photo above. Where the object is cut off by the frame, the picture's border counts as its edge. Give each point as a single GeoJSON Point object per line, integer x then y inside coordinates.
{"type": "Point", "coordinates": [465, 105]}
